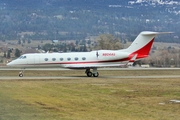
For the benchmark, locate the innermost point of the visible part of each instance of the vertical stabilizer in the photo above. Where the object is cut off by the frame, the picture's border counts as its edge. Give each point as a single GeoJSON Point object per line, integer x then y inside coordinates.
{"type": "Point", "coordinates": [142, 44]}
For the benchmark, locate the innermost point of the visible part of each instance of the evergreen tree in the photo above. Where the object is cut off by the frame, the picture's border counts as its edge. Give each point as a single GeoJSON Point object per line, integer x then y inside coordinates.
{"type": "Point", "coordinates": [4, 54]}
{"type": "Point", "coordinates": [9, 54]}
{"type": "Point", "coordinates": [19, 41]}
{"type": "Point", "coordinates": [24, 41]}
{"type": "Point", "coordinates": [17, 52]}
{"type": "Point", "coordinates": [84, 48]}
{"type": "Point", "coordinates": [29, 41]}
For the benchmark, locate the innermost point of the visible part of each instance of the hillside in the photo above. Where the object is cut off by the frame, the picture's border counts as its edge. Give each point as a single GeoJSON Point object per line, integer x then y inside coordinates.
{"type": "Point", "coordinates": [78, 19]}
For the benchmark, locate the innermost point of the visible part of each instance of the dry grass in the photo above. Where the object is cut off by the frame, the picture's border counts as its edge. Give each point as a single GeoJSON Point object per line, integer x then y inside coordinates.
{"type": "Point", "coordinates": [90, 98]}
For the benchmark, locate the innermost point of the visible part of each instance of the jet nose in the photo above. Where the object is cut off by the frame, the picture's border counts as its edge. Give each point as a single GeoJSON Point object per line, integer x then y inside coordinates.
{"type": "Point", "coordinates": [9, 64]}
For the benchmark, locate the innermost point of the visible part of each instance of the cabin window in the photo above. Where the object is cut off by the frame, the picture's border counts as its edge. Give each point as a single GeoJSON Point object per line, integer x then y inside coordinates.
{"type": "Point", "coordinates": [46, 59]}
{"type": "Point", "coordinates": [76, 58]}
{"type": "Point", "coordinates": [68, 59]}
{"type": "Point", "coordinates": [83, 58]}
{"type": "Point", "coordinates": [61, 59]}
{"type": "Point", "coordinates": [53, 59]}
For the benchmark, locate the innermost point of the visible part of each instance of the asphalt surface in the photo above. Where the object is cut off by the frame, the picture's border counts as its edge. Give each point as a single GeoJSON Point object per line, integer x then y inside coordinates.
{"type": "Point", "coordinates": [85, 77]}
{"type": "Point", "coordinates": [130, 68]}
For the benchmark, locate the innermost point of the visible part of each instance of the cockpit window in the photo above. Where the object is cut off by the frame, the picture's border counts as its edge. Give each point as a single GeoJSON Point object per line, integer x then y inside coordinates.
{"type": "Point", "coordinates": [20, 57]}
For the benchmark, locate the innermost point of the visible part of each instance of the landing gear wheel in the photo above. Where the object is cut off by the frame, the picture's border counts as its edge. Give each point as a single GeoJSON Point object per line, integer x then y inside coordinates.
{"type": "Point", "coordinates": [20, 74]}
{"type": "Point", "coordinates": [95, 74]}
{"type": "Point", "coordinates": [89, 74]}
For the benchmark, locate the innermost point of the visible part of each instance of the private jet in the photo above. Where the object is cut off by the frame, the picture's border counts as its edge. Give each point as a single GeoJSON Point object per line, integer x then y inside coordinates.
{"type": "Point", "coordinates": [90, 61]}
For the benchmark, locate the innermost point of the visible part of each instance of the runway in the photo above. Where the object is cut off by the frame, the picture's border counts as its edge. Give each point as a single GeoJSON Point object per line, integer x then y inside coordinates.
{"type": "Point", "coordinates": [85, 77]}
{"type": "Point", "coordinates": [62, 69]}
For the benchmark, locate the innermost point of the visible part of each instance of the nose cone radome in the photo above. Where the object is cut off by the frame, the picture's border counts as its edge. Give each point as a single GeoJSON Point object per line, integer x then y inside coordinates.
{"type": "Point", "coordinates": [9, 64]}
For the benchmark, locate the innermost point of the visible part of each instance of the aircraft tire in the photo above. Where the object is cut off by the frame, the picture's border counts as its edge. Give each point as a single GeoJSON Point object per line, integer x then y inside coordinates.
{"type": "Point", "coordinates": [96, 74]}
{"type": "Point", "coordinates": [21, 75]}
{"type": "Point", "coordinates": [89, 74]}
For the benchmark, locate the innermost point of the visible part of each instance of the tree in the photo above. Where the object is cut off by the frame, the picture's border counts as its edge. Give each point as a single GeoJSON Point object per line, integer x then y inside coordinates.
{"type": "Point", "coordinates": [47, 47]}
{"type": "Point", "coordinates": [108, 42]}
{"type": "Point", "coordinates": [4, 54]}
{"type": "Point", "coordinates": [77, 42]}
{"type": "Point", "coordinates": [19, 41]}
{"type": "Point", "coordinates": [24, 40]}
{"type": "Point", "coordinates": [17, 52]}
{"type": "Point", "coordinates": [89, 42]}
{"type": "Point", "coordinates": [29, 41]}
{"type": "Point", "coordinates": [84, 48]}
{"type": "Point", "coordinates": [9, 54]}
{"type": "Point", "coordinates": [39, 47]}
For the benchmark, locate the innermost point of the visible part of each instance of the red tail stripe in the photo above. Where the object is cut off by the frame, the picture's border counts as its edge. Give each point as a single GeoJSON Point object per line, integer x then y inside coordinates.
{"type": "Point", "coordinates": [144, 51]}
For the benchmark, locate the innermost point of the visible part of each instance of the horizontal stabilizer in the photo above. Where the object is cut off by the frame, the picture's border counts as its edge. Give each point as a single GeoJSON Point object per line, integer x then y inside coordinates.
{"type": "Point", "coordinates": [154, 33]}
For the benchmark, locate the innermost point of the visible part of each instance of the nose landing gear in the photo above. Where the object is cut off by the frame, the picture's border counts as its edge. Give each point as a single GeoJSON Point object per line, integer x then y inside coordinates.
{"type": "Point", "coordinates": [21, 73]}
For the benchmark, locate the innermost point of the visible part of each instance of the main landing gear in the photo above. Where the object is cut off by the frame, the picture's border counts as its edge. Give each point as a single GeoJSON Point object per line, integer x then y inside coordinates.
{"type": "Point", "coordinates": [90, 74]}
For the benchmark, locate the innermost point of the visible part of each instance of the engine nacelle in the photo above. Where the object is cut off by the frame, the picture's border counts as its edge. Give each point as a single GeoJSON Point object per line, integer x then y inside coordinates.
{"type": "Point", "coordinates": [111, 55]}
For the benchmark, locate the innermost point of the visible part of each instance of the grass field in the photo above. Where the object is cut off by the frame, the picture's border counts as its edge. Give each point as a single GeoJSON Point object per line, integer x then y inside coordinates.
{"type": "Point", "coordinates": [90, 98]}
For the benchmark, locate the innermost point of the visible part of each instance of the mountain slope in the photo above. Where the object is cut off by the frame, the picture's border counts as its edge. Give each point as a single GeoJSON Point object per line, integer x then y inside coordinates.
{"type": "Point", "coordinates": [77, 19]}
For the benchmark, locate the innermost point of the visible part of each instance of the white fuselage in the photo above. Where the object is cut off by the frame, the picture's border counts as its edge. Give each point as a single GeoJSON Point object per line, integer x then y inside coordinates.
{"type": "Point", "coordinates": [100, 58]}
